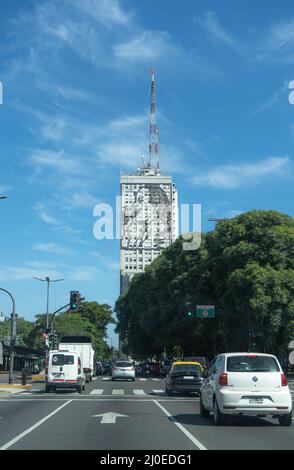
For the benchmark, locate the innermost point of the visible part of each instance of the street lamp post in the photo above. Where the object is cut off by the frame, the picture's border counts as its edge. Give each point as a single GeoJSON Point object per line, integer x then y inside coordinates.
{"type": "Point", "coordinates": [48, 280]}
{"type": "Point", "coordinates": [12, 338]}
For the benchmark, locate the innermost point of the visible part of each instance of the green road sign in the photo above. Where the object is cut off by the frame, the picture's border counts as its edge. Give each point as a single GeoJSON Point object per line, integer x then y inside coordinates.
{"type": "Point", "coordinates": [205, 311]}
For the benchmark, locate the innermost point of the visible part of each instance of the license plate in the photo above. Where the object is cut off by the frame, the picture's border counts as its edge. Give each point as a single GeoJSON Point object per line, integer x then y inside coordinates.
{"type": "Point", "coordinates": [256, 400]}
{"type": "Point", "coordinates": [188, 377]}
{"type": "Point", "coordinates": [58, 376]}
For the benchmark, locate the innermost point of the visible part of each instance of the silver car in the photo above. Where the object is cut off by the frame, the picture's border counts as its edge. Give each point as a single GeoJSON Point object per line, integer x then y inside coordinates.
{"type": "Point", "coordinates": [123, 370]}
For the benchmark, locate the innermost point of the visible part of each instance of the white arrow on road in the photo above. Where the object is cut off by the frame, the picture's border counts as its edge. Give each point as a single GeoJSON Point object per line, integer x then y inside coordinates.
{"type": "Point", "coordinates": [109, 418]}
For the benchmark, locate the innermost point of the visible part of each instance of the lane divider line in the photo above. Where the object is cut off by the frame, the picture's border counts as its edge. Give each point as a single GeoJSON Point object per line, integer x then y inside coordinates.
{"type": "Point", "coordinates": [181, 427]}
{"type": "Point", "coordinates": [32, 428]}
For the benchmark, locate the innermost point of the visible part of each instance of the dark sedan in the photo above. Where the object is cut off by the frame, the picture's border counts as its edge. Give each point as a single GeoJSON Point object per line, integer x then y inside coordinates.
{"type": "Point", "coordinates": [184, 377]}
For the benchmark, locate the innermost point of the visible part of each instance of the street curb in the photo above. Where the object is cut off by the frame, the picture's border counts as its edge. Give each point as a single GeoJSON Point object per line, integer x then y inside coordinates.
{"type": "Point", "coordinates": [39, 378]}
{"type": "Point", "coordinates": [14, 386]}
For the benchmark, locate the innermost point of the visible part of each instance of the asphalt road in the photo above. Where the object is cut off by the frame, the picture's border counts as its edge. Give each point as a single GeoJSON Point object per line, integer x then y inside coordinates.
{"type": "Point", "coordinates": [125, 415]}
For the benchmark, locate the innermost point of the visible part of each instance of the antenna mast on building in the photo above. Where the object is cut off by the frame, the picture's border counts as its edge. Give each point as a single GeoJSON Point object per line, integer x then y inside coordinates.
{"type": "Point", "coordinates": [153, 133]}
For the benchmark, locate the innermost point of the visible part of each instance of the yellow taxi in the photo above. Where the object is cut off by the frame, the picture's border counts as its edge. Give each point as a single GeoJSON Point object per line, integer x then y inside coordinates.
{"type": "Point", "coordinates": [184, 377]}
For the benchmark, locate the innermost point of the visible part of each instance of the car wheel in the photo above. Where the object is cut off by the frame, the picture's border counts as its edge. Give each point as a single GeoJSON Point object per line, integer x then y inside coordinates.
{"type": "Point", "coordinates": [47, 389]}
{"type": "Point", "coordinates": [168, 391]}
{"type": "Point", "coordinates": [204, 413]}
{"type": "Point", "coordinates": [84, 387]}
{"type": "Point", "coordinates": [79, 389]}
{"type": "Point", "coordinates": [218, 417]}
{"type": "Point", "coordinates": [112, 379]}
{"type": "Point", "coordinates": [285, 420]}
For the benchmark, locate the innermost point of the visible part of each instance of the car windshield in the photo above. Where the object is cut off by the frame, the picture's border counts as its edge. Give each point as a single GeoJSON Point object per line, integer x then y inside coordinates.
{"type": "Point", "coordinates": [189, 368]}
{"type": "Point", "coordinates": [61, 360]}
{"type": "Point", "coordinates": [252, 364]}
{"type": "Point", "coordinates": [123, 364]}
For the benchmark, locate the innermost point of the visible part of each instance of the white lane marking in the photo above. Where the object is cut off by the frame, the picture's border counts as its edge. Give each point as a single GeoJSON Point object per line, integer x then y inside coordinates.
{"type": "Point", "coordinates": [23, 434]}
{"type": "Point", "coordinates": [139, 392]}
{"type": "Point", "coordinates": [109, 418]}
{"type": "Point", "coordinates": [143, 380]}
{"type": "Point", "coordinates": [158, 391]}
{"type": "Point", "coordinates": [96, 392]}
{"type": "Point", "coordinates": [118, 391]}
{"type": "Point", "coordinates": [181, 427]}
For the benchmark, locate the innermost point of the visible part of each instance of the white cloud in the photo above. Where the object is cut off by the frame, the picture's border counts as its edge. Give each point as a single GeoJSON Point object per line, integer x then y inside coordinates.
{"type": "Point", "coordinates": [233, 176]}
{"type": "Point", "coordinates": [107, 262]}
{"type": "Point", "coordinates": [41, 270]}
{"type": "Point", "coordinates": [56, 160]}
{"type": "Point", "coordinates": [278, 43]}
{"type": "Point", "coordinates": [44, 215]}
{"type": "Point", "coordinates": [273, 100]}
{"type": "Point", "coordinates": [52, 248]}
{"type": "Point", "coordinates": [210, 22]}
{"type": "Point", "coordinates": [147, 46]}
{"type": "Point", "coordinates": [107, 12]}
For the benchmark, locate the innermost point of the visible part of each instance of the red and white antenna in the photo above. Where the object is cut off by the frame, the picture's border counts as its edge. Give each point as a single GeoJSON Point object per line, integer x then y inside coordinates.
{"type": "Point", "coordinates": [153, 133]}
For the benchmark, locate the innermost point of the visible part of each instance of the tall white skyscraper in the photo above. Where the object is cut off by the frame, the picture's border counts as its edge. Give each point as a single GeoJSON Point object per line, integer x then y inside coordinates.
{"type": "Point", "coordinates": [149, 210]}
{"type": "Point", "coordinates": [149, 220]}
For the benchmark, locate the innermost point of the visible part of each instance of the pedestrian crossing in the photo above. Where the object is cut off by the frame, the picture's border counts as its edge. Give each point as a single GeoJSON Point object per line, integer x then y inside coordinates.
{"type": "Point", "coordinates": [120, 391]}
{"type": "Point", "coordinates": [107, 379]}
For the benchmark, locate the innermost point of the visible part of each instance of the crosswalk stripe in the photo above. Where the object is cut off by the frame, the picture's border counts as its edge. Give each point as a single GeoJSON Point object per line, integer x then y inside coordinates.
{"type": "Point", "coordinates": [96, 392]}
{"type": "Point", "coordinates": [118, 391]}
{"type": "Point", "coordinates": [106, 378]}
{"type": "Point", "coordinates": [157, 391]}
{"type": "Point", "coordinates": [94, 378]}
{"type": "Point", "coordinates": [139, 392]}
{"type": "Point", "coordinates": [156, 380]}
{"type": "Point", "coordinates": [143, 380]}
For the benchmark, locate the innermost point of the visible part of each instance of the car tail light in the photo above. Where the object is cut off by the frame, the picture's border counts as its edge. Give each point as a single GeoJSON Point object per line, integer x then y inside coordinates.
{"type": "Point", "coordinates": [284, 380]}
{"type": "Point", "coordinates": [223, 379]}
{"type": "Point", "coordinates": [79, 364]}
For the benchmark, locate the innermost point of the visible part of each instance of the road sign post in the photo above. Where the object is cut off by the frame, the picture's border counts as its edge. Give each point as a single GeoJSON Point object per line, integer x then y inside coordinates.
{"type": "Point", "coordinates": [205, 311]}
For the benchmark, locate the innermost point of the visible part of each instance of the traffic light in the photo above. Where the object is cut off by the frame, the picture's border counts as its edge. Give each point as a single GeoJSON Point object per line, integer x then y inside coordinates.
{"type": "Point", "coordinates": [189, 310]}
{"type": "Point", "coordinates": [75, 300]}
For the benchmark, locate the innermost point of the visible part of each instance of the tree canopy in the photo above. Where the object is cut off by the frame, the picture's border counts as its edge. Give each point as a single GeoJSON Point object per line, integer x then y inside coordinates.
{"type": "Point", "coordinates": [245, 267]}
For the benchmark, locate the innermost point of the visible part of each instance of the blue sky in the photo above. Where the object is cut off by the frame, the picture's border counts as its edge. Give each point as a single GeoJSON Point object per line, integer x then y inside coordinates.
{"type": "Point", "coordinates": [76, 80]}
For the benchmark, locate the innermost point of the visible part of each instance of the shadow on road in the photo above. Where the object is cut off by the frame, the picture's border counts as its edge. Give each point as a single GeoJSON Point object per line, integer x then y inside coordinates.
{"type": "Point", "coordinates": [235, 421]}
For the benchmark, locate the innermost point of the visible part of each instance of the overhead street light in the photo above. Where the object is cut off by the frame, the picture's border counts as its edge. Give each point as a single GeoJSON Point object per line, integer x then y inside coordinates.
{"type": "Point", "coordinates": [48, 280]}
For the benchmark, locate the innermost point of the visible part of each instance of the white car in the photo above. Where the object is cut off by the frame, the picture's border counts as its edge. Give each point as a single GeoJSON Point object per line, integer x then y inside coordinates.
{"type": "Point", "coordinates": [123, 370]}
{"type": "Point", "coordinates": [246, 384]}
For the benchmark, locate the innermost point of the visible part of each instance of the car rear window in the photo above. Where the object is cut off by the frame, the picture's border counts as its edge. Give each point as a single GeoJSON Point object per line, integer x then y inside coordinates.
{"type": "Point", "coordinates": [252, 364]}
{"type": "Point", "coordinates": [61, 360]}
{"type": "Point", "coordinates": [123, 364]}
{"type": "Point", "coordinates": [187, 368]}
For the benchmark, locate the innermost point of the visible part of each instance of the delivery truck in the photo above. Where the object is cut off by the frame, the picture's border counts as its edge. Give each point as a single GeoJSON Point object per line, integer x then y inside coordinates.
{"type": "Point", "coordinates": [83, 345]}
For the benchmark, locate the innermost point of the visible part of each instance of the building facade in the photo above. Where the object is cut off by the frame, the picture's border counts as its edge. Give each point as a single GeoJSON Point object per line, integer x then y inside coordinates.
{"type": "Point", "coordinates": [149, 220]}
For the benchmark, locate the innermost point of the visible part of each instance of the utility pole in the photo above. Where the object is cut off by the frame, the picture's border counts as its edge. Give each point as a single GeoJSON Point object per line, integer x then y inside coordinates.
{"type": "Point", "coordinates": [12, 337]}
{"type": "Point", "coordinates": [48, 280]}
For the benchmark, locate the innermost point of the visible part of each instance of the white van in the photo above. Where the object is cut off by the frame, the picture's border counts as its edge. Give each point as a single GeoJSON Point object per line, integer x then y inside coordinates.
{"type": "Point", "coordinates": [64, 370]}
